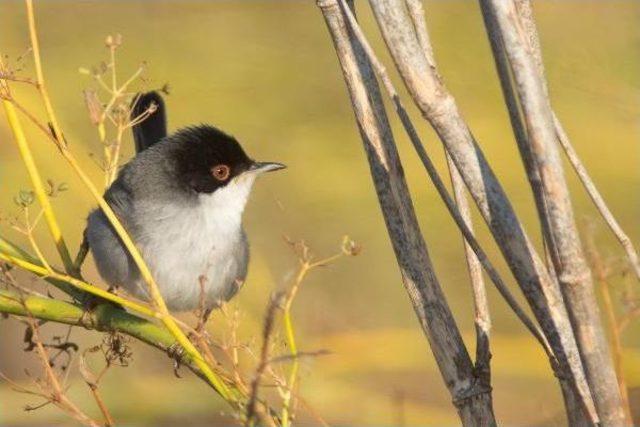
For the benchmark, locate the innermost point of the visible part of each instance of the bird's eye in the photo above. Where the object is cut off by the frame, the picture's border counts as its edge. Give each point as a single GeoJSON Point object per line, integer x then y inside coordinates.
{"type": "Point", "coordinates": [221, 172]}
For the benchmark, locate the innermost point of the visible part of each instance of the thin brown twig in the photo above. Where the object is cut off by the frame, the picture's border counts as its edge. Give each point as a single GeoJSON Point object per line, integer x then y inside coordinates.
{"type": "Point", "coordinates": [253, 410]}
{"type": "Point", "coordinates": [615, 329]}
{"type": "Point", "coordinates": [596, 197]}
{"type": "Point", "coordinates": [93, 381]}
{"type": "Point", "coordinates": [58, 396]}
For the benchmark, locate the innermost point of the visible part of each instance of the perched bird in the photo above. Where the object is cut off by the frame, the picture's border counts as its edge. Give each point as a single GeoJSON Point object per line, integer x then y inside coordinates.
{"type": "Point", "coordinates": [181, 199]}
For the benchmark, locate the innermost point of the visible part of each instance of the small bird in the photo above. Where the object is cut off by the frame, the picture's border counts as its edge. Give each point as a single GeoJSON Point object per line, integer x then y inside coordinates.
{"type": "Point", "coordinates": [181, 199]}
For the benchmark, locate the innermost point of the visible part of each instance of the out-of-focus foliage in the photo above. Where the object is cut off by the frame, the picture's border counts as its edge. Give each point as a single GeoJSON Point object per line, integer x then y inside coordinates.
{"type": "Point", "coordinates": [266, 72]}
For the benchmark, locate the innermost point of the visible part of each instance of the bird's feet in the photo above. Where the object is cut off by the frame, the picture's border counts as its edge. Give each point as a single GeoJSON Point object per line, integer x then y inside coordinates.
{"type": "Point", "coordinates": [89, 304]}
{"type": "Point", "coordinates": [176, 352]}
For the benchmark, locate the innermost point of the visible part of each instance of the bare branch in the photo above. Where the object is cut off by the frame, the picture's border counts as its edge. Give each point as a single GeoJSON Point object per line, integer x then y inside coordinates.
{"type": "Point", "coordinates": [439, 107]}
{"type": "Point", "coordinates": [481, 306]}
{"type": "Point", "coordinates": [472, 398]}
{"type": "Point", "coordinates": [597, 198]}
{"type": "Point", "coordinates": [455, 212]}
{"type": "Point", "coordinates": [554, 204]}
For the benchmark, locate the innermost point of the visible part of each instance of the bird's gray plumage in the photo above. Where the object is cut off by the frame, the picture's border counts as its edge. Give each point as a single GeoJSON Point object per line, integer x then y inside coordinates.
{"type": "Point", "coordinates": [188, 239]}
{"type": "Point", "coordinates": [181, 200]}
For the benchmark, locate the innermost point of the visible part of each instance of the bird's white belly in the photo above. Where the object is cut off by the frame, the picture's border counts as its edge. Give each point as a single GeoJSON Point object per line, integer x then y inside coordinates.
{"type": "Point", "coordinates": [195, 256]}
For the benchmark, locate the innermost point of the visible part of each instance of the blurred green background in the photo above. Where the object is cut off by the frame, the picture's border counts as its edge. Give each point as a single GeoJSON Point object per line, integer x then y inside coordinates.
{"type": "Point", "coordinates": [266, 72]}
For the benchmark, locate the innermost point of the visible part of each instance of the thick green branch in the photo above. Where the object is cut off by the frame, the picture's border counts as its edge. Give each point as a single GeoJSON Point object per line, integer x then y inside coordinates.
{"type": "Point", "coordinates": [104, 317]}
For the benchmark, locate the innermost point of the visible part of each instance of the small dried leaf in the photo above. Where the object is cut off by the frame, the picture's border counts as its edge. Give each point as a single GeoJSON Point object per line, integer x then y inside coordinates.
{"type": "Point", "coordinates": [349, 247]}
{"type": "Point", "coordinates": [24, 198]}
{"type": "Point", "coordinates": [94, 106]}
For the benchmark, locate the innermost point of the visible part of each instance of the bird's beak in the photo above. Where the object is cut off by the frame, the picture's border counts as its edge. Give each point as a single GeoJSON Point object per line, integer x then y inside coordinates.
{"type": "Point", "coordinates": [261, 167]}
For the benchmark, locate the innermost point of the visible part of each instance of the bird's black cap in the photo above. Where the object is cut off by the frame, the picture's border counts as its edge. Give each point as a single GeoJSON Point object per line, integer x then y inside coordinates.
{"type": "Point", "coordinates": [207, 158]}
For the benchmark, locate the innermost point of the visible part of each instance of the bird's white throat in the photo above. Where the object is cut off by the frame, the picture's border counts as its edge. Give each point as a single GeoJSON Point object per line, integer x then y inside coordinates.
{"type": "Point", "coordinates": [205, 242]}
{"type": "Point", "coordinates": [228, 202]}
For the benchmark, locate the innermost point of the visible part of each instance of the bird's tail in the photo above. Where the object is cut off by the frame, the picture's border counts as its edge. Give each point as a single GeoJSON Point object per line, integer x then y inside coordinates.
{"type": "Point", "coordinates": [153, 127]}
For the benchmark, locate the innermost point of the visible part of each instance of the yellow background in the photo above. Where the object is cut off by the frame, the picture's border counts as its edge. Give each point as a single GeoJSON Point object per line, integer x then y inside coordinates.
{"type": "Point", "coordinates": [266, 72]}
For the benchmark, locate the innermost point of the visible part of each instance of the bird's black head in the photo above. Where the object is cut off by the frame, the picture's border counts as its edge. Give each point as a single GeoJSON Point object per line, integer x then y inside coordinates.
{"type": "Point", "coordinates": [208, 159]}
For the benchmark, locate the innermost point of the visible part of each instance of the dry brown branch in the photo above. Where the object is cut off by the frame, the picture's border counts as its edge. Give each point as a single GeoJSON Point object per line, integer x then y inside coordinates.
{"type": "Point", "coordinates": [52, 389]}
{"type": "Point", "coordinates": [93, 381]}
{"type": "Point", "coordinates": [254, 412]}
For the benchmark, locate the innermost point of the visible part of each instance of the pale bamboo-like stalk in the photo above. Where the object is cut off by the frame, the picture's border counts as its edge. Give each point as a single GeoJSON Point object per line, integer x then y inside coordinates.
{"type": "Point", "coordinates": [575, 414]}
{"type": "Point", "coordinates": [555, 209]}
{"type": "Point", "coordinates": [472, 398]}
{"type": "Point", "coordinates": [526, 16]}
{"type": "Point", "coordinates": [480, 302]}
{"type": "Point", "coordinates": [454, 210]}
{"type": "Point", "coordinates": [439, 108]}
{"type": "Point", "coordinates": [474, 267]}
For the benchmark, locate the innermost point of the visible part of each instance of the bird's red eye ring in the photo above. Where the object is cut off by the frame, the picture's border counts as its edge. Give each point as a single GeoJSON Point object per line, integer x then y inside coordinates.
{"type": "Point", "coordinates": [221, 172]}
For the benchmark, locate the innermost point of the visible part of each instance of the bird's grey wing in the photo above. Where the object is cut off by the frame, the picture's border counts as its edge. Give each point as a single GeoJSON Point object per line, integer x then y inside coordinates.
{"type": "Point", "coordinates": [153, 128]}
{"type": "Point", "coordinates": [111, 257]}
{"type": "Point", "coordinates": [242, 255]}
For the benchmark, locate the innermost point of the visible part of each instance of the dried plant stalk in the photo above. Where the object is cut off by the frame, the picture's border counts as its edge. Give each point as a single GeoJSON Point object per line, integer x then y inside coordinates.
{"type": "Point", "coordinates": [554, 204]}
{"type": "Point", "coordinates": [471, 398]}
{"type": "Point", "coordinates": [439, 108]}
{"type": "Point", "coordinates": [455, 211]}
